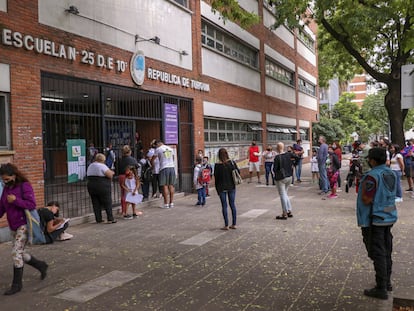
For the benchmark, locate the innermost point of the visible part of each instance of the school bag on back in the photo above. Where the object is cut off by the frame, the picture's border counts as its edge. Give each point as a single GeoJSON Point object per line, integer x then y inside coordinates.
{"type": "Point", "coordinates": [204, 175]}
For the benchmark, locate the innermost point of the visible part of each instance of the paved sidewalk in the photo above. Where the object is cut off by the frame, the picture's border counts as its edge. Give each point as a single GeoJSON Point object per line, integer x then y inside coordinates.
{"type": "Point", "coordinates": [179, 259]}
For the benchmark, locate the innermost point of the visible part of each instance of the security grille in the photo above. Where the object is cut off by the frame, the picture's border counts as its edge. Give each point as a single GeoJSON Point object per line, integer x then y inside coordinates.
{"type": "Point", "coordinates": [101, 114]}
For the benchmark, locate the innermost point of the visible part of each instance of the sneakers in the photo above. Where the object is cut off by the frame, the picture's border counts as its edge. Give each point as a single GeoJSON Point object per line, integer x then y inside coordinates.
{"type": "Point", "coordinates": [332, 196]}
{"type": "Point", "coordinates": [127, 216]}
{"type": "Point", "coordinates": [376, 293]}
{"type": "Point", "coordinates": [65, 236]}
{"type": "Point", "coordinates": [409, 190]}
{"type": "Point", "coordinates": [171, 205]}
{"type": "Point", "coordinates": [165, 206]}
{"type": "Point", "coordinates": [398, 200]}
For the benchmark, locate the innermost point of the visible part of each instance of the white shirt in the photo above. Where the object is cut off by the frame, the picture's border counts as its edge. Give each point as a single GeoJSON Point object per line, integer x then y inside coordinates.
{"type": "Point", "coordinates": [395, 166]}
{"type": "Point", "coordinates": [156, 163]}
{"type": "Point", "coordinates": [166, 156]}
{"type": "Point", "coordinates": [97, 169]}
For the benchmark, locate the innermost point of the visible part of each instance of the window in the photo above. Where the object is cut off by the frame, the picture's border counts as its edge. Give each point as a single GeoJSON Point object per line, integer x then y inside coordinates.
{"type": "Point", "coordinates": [4, 122]}
{"type": "Point", "coordinates": [306, 40]}
{"type": "Point", "coordinates": [307, 87]}
{"type": "Point", "coordinates": [184, 3]}
{"type": "Point", "coordinates": [276, 133]}
{"type": "Point", "coordinates": [216, 131]}
{"type": "Point", "coordinates": [279, 73]}
{"type": "Point", "coordinates": [270, 6]}
{"type": "Point", "coordinates": [223, 43]}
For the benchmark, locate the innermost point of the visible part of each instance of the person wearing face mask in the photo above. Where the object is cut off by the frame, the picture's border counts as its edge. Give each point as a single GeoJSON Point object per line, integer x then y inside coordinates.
{"type": "Point", "coordinates": [269, 157]}
{"type": "Point", "coordinates": [17, 196]}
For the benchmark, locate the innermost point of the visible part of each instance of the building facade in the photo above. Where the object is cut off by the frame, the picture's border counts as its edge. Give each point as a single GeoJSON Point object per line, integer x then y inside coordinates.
{"type": "Point", "coordinates": [99, 72]}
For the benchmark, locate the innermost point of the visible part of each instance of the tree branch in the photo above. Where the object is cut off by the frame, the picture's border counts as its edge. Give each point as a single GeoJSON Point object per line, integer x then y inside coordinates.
{"type": "Point", "coordinates": [380, 77]}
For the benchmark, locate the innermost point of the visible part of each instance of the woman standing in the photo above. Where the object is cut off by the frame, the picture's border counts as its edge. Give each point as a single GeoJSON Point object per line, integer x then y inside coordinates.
{"type": "Point", "coordinates": [127, 160]}
{"type": "Point", "coordinates": [225, 186]}
{"type": "Point", "coordinates": [269, 158]}
{"type": "Point", "coordinates": [336, 146]}
{"type": "Point", "coordinates": [283, 170]}
{"type": "Point", "coordinates": [99, 188]}
{"type": "Point", "coordinates": [397, 165]}
{"type": "Point", "coordinates": [17, 196]}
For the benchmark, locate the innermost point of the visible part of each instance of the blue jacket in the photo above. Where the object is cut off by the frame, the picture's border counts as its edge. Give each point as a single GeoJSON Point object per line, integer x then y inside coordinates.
{"type": "Point", "coordinates": [384, 212]}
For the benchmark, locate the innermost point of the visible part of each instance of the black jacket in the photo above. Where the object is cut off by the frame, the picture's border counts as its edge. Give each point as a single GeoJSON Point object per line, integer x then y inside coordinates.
{"type": "Point", "coordinates": [223, 176]}
{"type": "Point", "coordinates": [284, 160]}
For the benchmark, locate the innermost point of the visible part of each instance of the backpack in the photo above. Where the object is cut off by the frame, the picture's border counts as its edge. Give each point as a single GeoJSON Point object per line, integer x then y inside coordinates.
{"type": "Point", "coordinates": [110, 159]}
{"type": "Point", "coordinates": [204, 175]}
{"type": "Point", "coordinates": [146, 172]}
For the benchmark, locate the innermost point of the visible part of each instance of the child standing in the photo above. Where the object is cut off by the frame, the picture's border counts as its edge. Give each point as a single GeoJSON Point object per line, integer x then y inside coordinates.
{"type": "Point", "coordinates": [131, 186]}
{"type": "Point", "coordinates": [314, 167]}
{"type": "Point", "coordinates": [207, 165]}
{"type": "Point", "coordinates": [198, 183]}
{"type": "Point", "coordinates": [333, 172]}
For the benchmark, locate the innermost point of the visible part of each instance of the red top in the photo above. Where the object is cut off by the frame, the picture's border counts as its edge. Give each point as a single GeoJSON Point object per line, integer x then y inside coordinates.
{"type": "Point", "coordinates": [252, 151]}
{"type": "Point", "coordinates": [338, 153]}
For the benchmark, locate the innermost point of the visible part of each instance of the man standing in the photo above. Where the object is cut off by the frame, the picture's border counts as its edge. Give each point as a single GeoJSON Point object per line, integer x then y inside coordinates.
{"type": "Point", "coordinates": [167, 172]}
{"type": "Point", "coordinates": [254, 161]}
{"type": "Point", "coordinates": [376, 214]}
{"type": "Point", "coordinates": [322, 156]}
{"type": "Point", "coordinates": [298, 150]}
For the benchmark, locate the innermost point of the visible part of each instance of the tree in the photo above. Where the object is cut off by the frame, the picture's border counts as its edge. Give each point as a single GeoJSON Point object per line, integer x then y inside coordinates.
{"type": "Point", "coordinates": [348, 113]}
{"type": "Point", "coordinates": [330, 128]}
{"type": "Point", "coordinates": [377, 34]}
{"type": "Point", "coordinates": [375, 115]}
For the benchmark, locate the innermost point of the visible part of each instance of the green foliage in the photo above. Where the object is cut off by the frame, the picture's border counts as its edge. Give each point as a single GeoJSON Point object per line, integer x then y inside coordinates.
{"type": "Point", "coordinates": [375, 114]}
{"type": "Point", "coordinates": [348, 113]}
{"type": "Point", "coordinates": [230, 10]}
{"type": "Point", "coordinates": [330, 128]}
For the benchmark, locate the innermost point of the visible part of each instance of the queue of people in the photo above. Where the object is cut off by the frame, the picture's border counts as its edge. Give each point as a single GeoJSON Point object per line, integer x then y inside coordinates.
{"type": "Point", "coordinates": [379, 186]}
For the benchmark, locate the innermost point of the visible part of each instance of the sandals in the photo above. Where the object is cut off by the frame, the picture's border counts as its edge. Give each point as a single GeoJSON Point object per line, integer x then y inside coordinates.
{"type": "Point", "coordinates": [283, 217]}
{"type": "Point", "coordinates": [232, 227]}
{"type": "Point", "coordinates": [289, 214]}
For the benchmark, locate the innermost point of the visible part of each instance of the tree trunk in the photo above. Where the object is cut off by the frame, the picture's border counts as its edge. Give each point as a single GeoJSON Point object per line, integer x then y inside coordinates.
{"type": "Point", "coordinates": [395, 114]}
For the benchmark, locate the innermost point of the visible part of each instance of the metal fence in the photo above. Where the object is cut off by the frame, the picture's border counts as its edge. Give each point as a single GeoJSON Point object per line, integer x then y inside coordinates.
{"type": "Point", "coordinates": [100, 114]}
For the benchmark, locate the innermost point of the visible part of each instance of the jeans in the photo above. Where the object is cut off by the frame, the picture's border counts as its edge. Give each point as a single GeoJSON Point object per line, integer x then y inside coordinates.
{"type": "Point", "coordinates": [298, 168]}
{"type": "Point", "coordinates": [201, 196]}
{"type": "Point", "coordinates": [282, 187]}
{"type": "Point", "coordinates": [231, 194]}
{"type": "Point", "coordinates": [145, 186]}
{"type": "Point", "coordinates": [399, 190]}
{"type": "Point", "coordinates": [268, 171]}
{"type": "Point", "coordinates": [324, 178]}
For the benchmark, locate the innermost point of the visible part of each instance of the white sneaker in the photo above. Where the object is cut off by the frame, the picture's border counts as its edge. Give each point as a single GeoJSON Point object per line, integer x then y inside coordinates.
{"type": "Point", "coordinates": [398, 200]}
{"type": "Point", "coordinates": [165, 206]}
{"type": "Point", "coordinates": [65, 236]}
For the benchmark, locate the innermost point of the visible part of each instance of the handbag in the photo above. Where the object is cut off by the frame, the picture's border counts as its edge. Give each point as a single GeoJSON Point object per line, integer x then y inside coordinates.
{"type": "Point", "coordinates": [236, 175]}
{"type": "Point", "coordinates": [280, 173]}
{"type": "Point", "coordinates": [35, 233]}
{"type": "Point", "coordinates": [34, 227]}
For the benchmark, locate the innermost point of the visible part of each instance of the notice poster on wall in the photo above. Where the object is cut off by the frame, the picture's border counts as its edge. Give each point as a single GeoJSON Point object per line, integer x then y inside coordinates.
{"type": "Point", "coordinates": [170, 124]}
{"type": "Point", "coordinates": [76, 154]}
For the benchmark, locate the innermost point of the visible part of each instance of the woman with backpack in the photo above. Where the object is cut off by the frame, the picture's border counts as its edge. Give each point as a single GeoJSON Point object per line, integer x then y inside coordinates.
{"type": "Point", "coordinates": [17, 196]}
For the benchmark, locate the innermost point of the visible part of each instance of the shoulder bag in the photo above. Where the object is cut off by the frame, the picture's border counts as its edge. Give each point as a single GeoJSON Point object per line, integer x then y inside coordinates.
{"type": "Point", "coordinates": [35, 233]}
{"type": "Point", "coordinates": [236, 175]}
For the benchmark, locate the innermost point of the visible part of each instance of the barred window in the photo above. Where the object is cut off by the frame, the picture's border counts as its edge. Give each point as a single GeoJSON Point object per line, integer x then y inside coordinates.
{"type": "Point", "coordinates": [306, 40]}
{"type": "Point", "coordinates": [279, 73]}
{"type": "Point", "coordinates": [230, 131]}
{"type": "Point", "coordinates": [223, 43]}
{"type": "Point", "coordinates": [4, 122]}
{"type": "Point", "coordinates": [307, 87]}
{"type": "Point", "coordinates": [277, 133]}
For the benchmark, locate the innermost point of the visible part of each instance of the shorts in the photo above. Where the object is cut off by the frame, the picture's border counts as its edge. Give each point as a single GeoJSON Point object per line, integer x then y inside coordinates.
{"type": "Point", "coordinates": [255, 165]}
{"type": "Point", "coordinates": [408, 170]}
{"type": "Point", "coordinates": [167, 176]}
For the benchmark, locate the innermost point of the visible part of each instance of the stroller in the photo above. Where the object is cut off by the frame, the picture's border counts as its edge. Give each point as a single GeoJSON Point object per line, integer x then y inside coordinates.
{"type": "Point", "coordinates": [355, 171]}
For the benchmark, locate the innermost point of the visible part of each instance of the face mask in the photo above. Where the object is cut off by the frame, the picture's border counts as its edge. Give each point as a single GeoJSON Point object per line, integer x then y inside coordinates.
{"type": "Point", "coordinates": [268, 149]}
{"type": "Point", "coordinates": [334, 146]}
{"type": "Point", "coordinates": [9, 183]}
